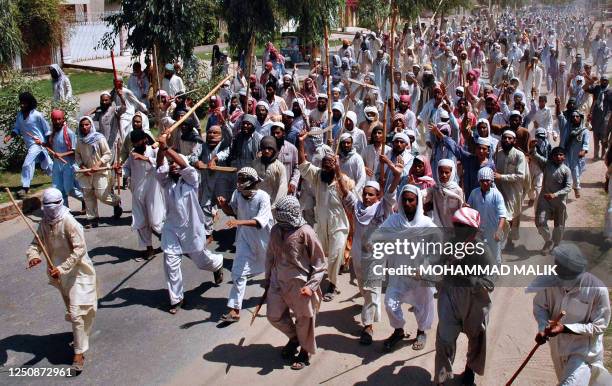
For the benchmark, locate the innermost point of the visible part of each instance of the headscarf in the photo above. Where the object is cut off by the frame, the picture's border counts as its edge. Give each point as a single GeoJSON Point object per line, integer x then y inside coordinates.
{"type": "Point", "coordinates": [269, 141]}
{"type": "Point", "coordinates": [248, 188]}
{"type": "Point", "coordinates": [426, 181]}
{"type": "Point", "coordinates": [398, 222]}
{"type": "Point", "coordinates": [352, 116]}
{"type": "Point", "coordinates": [371, 109]}
{"type": "Point", "coordinates": [451, 184]}
{"type": "Point", "coordinates": [288, 213]}
{"type": "Point", "coordinates": [474, 85]}
{"type": "Point", "coordinates": [310, 96]}
{"type": "Point", "coordinates": [93, 137]}
{"type": "Point", "coordinates": [53, 207]}
{"type": "Point", "coordinates": [400, 116]}
{"type": "Point", "coordinates": [57, 83]}
{"type": "Point", "coordinates": [59, 114]}
{"type": "Point", "coordinates": [467, 216]}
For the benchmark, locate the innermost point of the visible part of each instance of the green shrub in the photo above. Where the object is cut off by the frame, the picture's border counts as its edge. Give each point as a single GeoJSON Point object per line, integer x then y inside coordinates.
{"type": "Point", "coordinates": [13, 153]}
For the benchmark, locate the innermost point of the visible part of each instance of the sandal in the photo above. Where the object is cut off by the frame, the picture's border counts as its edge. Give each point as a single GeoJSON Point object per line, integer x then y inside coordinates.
{"type": "Point", "coordinates": [230, 317]}
{"type": "Point", "coordinates": [78, 366]}
{"type": "Point", "coordinates": [174, 308]}
{"type": "Point", "coordinates": [300, 361]}
{"type": "Point", "coordinates": [290, 350]}
{"type": "Point", "coordinates": [419, 344]}
{"type": "Point", "coordinates": [397, 336]}
{"type": "Point", "coordinates": [218, 275]}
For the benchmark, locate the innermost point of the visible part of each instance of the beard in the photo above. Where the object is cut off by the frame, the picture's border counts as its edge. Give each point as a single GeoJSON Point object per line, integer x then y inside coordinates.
{"type": "Point", "coordinates": [506, 147]}
{"type": "Point", "coordinates": [280, 142]}
{"type": "Point", "coordinates": [267, 160]}
{"type": "Point", "coordinates": [327, 176]}
{"type": "Point", "coordinates": [140, 149]}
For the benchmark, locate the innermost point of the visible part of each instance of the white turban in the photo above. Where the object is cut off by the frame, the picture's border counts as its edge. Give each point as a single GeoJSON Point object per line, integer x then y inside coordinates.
{"type": "Point", "coordinates": [509, 133]}
{"type": "Point", "coordinates": [53, 206]}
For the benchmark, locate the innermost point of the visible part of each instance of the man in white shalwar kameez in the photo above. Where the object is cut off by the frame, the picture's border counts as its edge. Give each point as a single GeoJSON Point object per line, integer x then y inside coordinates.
{"type": "Point", "coordinates": [253, 212]}
{"type": "Point", "coordinates": [369, 212]}
{"type": "Point", "coordinates": [183, 232]}
{"type": "Point", "coordinates": [73, 274]}
{"type": "Point", "coordinates": [576, 341]}
{"type": "Point", "coordinates": [351, 163]}
{"type": "Point", "coordinates": [410, 221]}
{"type": "Point", "coordinates": [147, 199]}
{"type": "Point", "coordinates": [331, 221]}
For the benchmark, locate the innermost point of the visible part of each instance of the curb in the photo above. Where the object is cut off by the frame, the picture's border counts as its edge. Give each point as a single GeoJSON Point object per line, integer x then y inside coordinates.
{"type": "Point", "coordinates": [27, 205]}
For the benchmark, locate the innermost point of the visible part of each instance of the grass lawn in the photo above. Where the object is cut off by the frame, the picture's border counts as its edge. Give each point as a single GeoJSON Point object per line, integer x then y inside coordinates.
{"type": "Point", "coordinates": [82, 82]}
{"type": "Point", "coordinates": [206, 56]}
{"type": "Point", "coordinates": [12, 181]}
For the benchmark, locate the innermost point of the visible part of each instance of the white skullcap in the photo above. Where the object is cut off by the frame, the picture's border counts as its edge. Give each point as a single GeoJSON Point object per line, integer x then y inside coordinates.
{"type": "Point", "coordinates": [444, 114]}
{"type": "Point", "coordinates": [289, 113]}
{"type": "Point", "coordinates": [344, 137]}
{"type": "Point", "coordinates": [402, 137]}
{"type": "Point", "coordinates": [486, 173]}
{"type": "Point", "coordinates": [373, 184]}
{"type": "Point", "coordinates": [321, 95]}
{"type": "Point", "coordinates": [277, 124]}
{"type": "Point", "coordinates": [515, 112]}
{"type": "Point", "coordinates": [509, 133]}
{"type": "Point", "coordinates": [460, 89]}
{"type": "Point", "coordinates": [483, 141]}
{"type": "Point", "coordinates": [264, 104]}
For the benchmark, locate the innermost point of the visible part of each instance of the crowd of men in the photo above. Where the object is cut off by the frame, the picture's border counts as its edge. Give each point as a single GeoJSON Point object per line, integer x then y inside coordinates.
{"type": "Point", "coordinates": [459, 133]}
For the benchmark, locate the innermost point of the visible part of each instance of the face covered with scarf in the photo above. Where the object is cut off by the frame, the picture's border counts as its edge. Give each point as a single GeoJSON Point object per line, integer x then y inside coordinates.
{"type": "Point", "coordinates": [268, 148]}
{"type": "Point", "coordinates": [53, 207]}
{"type": "Point", "coordinates": [288, 213]}
{"type": "Point", "coordinates": [247, 181]}
{"type": "Point", "coordinates": [328, 166]}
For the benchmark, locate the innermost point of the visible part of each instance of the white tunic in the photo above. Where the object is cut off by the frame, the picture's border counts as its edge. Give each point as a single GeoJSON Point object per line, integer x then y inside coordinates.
{"type": "Point", "coordinates": [183, 232]}
{"type": "Point", "coordinates": [147, 198]}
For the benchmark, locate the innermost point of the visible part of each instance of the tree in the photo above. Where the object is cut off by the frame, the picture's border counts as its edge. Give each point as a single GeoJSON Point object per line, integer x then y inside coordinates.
{"type": "Point", "coordinates": [174, 27]}
{"type": "Point", "coordinates": [250, 22]}
{"type": "Point", "coordinates": [372, 14]}
{"type": "Point", "coordinates": [312, 17]}
{"type": "Point", "coordinates": [12, 44]}
{"type": "Point", "coordinates": [40, 23]}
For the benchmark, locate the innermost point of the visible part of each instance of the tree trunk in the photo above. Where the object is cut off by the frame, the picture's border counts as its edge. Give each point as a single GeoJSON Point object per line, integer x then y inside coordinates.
{"type": "Point", "coordinates": [156, 85]}
{"type": "Point", "coordinates": [250, 53]}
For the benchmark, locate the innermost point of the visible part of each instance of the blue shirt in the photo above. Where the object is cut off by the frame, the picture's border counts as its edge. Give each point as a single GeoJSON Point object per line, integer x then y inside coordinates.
{"type": "Point", "coordinates": [60, 146]}
{"type": "Point", "coordinates": [35, 124]}
{"type": "Point", "coordinates": [491, 207]}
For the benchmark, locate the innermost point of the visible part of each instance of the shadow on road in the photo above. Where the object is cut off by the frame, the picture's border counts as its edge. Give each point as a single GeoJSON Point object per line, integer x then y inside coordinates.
{"type": "Point", "coordinates": [342, 319]}
{"type": "Point", "coordinates": [122, 254]}
{"type": "Point", "coordinates": [260, 356]}
{"type": "Point", "coordinates": [409, 375]}
{"type": "Point", "coordinates": [54, 347]}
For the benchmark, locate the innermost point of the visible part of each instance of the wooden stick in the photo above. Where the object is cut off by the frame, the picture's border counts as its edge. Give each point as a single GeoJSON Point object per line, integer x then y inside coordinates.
{"type": "Point", "coordinates": [91, 170]}
{"type": "Point", "coordinates": [261, 302]}
{"type": "Point", "coordinates": [225, 169]}
{"type": "Point", "coordinates": [361, 83]}
{"type": "Point", "coordinates": [38, 240]}
{"type": "Point", "coordinates": [533, 350]}
{"type": "Point", "coordinates": [197, 105]}
{"type": "Point", "coordinates": [382, 149]}
{"type": "Point", "coordinates": [328, 81]}
{"type": "Point", "coordinates": [113, 62]}
{"type": "Point", "coordinates": [118, 165]}
{"type": "Point", "coordinates": [392, 59]}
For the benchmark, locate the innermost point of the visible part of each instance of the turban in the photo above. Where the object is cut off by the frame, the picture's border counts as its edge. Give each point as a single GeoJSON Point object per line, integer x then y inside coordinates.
{"type": "Point", "coordinates": [540, 131]}
{"type": "Point", "coordinates": [467, 216]}
{"type": "Point", "coordinates": [570, 257]}
{"type": "Point", "coordinates": [169, 67]}
{"type": "Point", "coordinates": [405, 98]}
{"type": "Point", "coordinates": [399, 116]}
{"type": "Point", "coordinates": [57, 114]}
{"type": "Point", "coordinates": [249, 173]}
{"type": "Point", "coordinates": [289, 113]}
{"type": "Point", "coordinates": [486, 173]}
{"type": "Point", "coordinates": [370, 109]}
{"type": "Point", "coordinates": [401, 136]}
{"type": "Point", "coordinates": [321, 96]}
